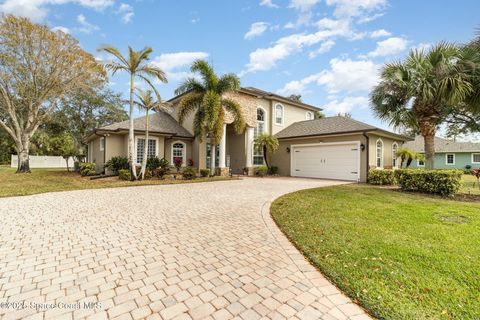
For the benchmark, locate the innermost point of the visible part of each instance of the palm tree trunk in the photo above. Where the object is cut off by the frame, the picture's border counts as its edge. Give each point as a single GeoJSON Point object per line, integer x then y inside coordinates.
{"type": "Point", "coordinates": [265, 156]}
{"type": "Point", "coordinates": [145, 149]}
{"type": "Point", "coordinates": [131, 137]}
{"type": "Point", "coordinates": [212, 159]}
{"type": "Point", "coordinates": [428, 130]}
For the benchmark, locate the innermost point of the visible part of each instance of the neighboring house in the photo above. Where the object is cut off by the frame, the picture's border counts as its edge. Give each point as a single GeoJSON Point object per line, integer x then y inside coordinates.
{"type": "Point", "coordinates": [334, 148]}
{"type": "Point", "coordinates": [448, 154]}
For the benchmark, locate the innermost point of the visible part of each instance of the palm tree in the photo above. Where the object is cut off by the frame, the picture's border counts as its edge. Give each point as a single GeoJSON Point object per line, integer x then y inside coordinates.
{"type": "Point", "coordinates": [268, 143]}
{"type": "Point", "coordinates": [407, 156]}
{"type": "Point", "coordinates": [147, 102]}
{"type": "Point", "coordinates": [206, 99]}
{"type": "Point", "coordinates": [419, 92]}
{"type": "Point", "coordinates": [137, 67]}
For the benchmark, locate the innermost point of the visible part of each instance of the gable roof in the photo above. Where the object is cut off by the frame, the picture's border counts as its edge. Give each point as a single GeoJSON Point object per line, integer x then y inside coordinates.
{"type": "Point", "coordinates": [159, 122]}
{"type": "Point", "coordinates": [443, 145]}
{"type": "Point", "coordinates": [329, 126]}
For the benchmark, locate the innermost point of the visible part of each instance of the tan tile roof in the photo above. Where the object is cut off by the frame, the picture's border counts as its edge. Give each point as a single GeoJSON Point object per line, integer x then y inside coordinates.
{"type": "Point", "coordinates": [443, 145]}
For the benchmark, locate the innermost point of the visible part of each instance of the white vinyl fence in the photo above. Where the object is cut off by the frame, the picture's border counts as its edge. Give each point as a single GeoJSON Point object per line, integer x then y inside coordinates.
{"type": "Point", "coordinates": [44, 162]}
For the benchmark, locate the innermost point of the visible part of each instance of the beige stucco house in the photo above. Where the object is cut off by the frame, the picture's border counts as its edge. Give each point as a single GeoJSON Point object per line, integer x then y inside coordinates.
{"type": "Point", "coordinates": [332, 147]}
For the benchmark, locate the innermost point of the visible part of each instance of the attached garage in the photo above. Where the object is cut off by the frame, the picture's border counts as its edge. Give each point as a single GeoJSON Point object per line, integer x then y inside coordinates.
{"type": "Point", "coordinates": [338, 160]}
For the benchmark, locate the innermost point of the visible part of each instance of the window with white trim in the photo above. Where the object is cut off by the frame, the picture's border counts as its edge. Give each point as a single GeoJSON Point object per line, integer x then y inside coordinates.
{"type": "Point", "coordinates": [450, 159]}
{"type": "Point", "coordinates": [102, 143]}
{"type": "Point", "coordinates": [309, 115]}
{"type": "Point", "coordinates": [151, 149]}
{"type": "Point", "coordinates": [260, 123]}
{"type": "Point", "coordinates": [475, 157]}
{"type": "Point", "coordinates": [379, 154]}
{"type": "Point", "coordinates": [278, 114]}
{"type": "Point", "coordinates": [257, 155]}
{"type": "Point", "coordinates": [394, 154]}
{"type": "Point", "coordinates": [178, 152]}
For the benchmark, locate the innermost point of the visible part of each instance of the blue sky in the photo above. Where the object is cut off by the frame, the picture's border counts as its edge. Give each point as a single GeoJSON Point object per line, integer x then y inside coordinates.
{"type": "Point", "coordinates": [329, 51]}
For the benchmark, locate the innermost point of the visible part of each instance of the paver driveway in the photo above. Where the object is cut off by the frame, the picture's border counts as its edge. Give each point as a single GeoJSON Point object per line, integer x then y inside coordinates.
{"type": "Point", "coordinates": [206, 250]}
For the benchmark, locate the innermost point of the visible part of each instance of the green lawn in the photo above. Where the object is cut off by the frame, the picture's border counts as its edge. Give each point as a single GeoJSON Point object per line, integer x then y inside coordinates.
{"type": "Point", "coordinates": [44, 180]}
{"type": "Point", "coordinates": [401, 256]}
{"type": "Point", "coordinates": [469, 185]}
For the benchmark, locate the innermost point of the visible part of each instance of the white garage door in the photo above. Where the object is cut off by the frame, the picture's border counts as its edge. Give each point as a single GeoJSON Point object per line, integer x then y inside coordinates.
{"type": "Point", "coordinates": [329, 161]}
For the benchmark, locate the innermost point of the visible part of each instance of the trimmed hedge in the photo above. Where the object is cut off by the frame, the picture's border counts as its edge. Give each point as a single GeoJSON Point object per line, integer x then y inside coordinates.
{"type": "Point", "coordinates": [124, 174]}
{"type": "Point", "coordinates": [87, 169]}
{"type": "Point", "coordinates": [443, 182]}
{"type": "Point", "coordinates": [381, 177]}
{"type": "Point", "coordinates": [204, 172]}
{"type": "Point", "coordinates": [189, 173]}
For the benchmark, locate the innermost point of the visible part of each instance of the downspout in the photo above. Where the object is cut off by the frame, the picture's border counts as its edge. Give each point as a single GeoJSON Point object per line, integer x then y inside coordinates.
{"type": "Point", "coordinates": [367, 148]}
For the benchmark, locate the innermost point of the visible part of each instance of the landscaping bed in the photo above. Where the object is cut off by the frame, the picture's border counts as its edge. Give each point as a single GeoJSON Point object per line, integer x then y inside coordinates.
{"type": "Point", "coordinates": [399, 255]}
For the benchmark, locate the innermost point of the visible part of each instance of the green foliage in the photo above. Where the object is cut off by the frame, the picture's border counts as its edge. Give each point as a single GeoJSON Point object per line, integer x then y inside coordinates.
{"type": "Point", "coordinates": [407, 156]}
{"type": "Point", "coordinates": [117, 163]}
{"type": "Point", "coordinates": [443, 182]}
{"type": "Point", "coordinates": [124, 174]}
{"type": "Point", "coordinates": [189, 173]}
{"type": "Point", "coordinates": [87, 169]}
{"type": "Point", "coordinates": [269, 144]}
{"type": "Point", "coordinates": [262, 170]}
{"type": "Point", "coordinates": [7, 147]}
{"type": "Point", "coordinates": [381, 177]}
{"type": "Point", "coordinates": [153, 163]}
{"type": "Point", "coordinates": [204, 172]}
{"type": "Point", "coordinates": [158, 167]}
{"type": "Point", "coordinates": [273, 170]}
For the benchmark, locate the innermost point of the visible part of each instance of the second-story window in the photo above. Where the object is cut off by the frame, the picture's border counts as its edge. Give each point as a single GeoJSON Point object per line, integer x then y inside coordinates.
{"type": "Point", "coordinates": [260, 122]}
{"type": "Point", "coordinates": [279, 114]}
{"type": "Point", "coordinates": [309, 115]}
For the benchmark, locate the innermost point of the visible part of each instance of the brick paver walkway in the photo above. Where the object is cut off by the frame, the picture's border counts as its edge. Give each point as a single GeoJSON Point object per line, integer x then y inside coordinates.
{"type": "Point", "coordinates": [194, 251]}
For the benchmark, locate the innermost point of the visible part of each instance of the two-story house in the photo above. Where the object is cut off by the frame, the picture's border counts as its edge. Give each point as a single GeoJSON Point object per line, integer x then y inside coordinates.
{"type": "Point", "coordinates": [332, 147]}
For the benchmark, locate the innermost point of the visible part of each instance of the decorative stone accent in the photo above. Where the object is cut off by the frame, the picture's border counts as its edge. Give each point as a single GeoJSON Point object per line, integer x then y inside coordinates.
{"type": "Point", "coordinates": [222, 172]}
{"type": "Point", "coordinates": [251, 171]}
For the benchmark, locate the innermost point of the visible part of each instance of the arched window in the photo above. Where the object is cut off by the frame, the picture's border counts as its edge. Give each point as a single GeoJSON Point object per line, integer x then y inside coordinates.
{"type": "Point", "coordinates": [394, 155]}
{"type": "Point", "coordinates": [178, 152]}
{"type": "Point", "coordinates": [260, 122]}
{"type": "Point", "coordinates": [279, 114]}
{"type": "Point", "coordinates": [309, 115]}
{"type": "Point", "coordinates": [379, 154]}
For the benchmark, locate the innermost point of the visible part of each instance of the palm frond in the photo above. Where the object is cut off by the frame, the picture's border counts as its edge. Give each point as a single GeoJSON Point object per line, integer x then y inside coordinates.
{"type": "Point", "coordinates": [228, 82]}
{"type": "Point", "coordinates": [152, 71]}
{"type": "Point", "coordinates": [236, 110]}
{"type": "Point", "coordinates": [206, 72]}
{"type": "Point", "coordinates": [115, 67]}
{"type": "Point", "coordinates": [187, 105]}
{"type": "Point", "coordinates": [116, 53]}
{"type": "Point", "coordinates": [190, 84]}
{"type": "Point", "coordinates": [211, 104]}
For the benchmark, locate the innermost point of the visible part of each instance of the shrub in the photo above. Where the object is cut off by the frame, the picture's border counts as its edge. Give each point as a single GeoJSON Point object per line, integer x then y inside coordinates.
{"type": "Point", "coordinates": [443, 182]}
{"type": "Point", "coordinates": [204, 172]}
{"type": "Point", "coordinates": [87, 169]}
{"type": "Point", "coordinates": [76, 166]}
{"type": "Point", "coordinates": [153, 163]}
{"type": "Point", "coordinates": [117, 163]}
{"type": "Point", "coordinates": [381, 177]}
{"type": "Point", "coordinates": [190, 162]}
{"type": "Point", "coordinates": [262, 170]}
{"type": "Point", "coordinates": [177, 162]}
{"type": "Point", "coordinates": [189, 173]}
{"type": "Point", "coordinates": [124, 174]}
{"type": "Point", "coordinates": [273, 170]}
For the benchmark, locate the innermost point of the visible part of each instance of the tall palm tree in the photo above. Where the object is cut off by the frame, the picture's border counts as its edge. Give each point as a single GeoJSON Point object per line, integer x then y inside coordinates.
{"type": "Point", "coordinates": [268, 143]}
{"type": "Point", "coordinates": [137, 66]}
{"type": "Point", "coordinates": [206, 99]}
{"type": "Point", "coordinates": [419, 92]}
{"type": "Point", "coordinates": [147, 102]}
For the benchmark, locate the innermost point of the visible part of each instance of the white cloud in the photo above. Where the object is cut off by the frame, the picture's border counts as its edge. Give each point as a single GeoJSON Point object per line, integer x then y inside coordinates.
{"type": "Point", "coordinates": [349, 75]}
{"type": "Point", "coordinates": [423, 46]}
{"type": "Point", "coordinates": [266, 58]}
{"type": "Point", "coordinates": [303, 5]}
{"type": "Point", "coordinates": [347, 104]}
{"type": "Point", "coordinates": [268, 3]}
{"type": "Point", "coordinates": [349, 8]}
{"type": "Point", "coordinates": [324, 47]}
{"type": "Point", "coordinates": [173, 63]}
{"type": "Point", "coordinates": [126, 11]}
{"type": "Point", "coordinates": [298, 86]}
{"type": "Point", "coordinates": [62, 29]}
{"type": "Point", "coordinates": [256, 29]}
{"type": "Point", "coordinates": [85, 26]}
{"type": "Point", "coordinates": [388, 47]}
{"type": "Point", "coordinates": [380, 33]}
{"type": "Point", "coordinates": [37, 10]}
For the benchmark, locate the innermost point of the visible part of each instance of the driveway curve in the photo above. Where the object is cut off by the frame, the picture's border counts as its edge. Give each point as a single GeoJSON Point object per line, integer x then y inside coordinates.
{"type": "Point", "coordinates": [192, 251]}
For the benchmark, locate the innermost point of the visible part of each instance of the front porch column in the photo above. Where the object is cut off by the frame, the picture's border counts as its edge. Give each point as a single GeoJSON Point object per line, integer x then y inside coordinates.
{"type": "Point", "coordinates": [223, 148]}
{"type": "Point", "coordinates": [249, 153]}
